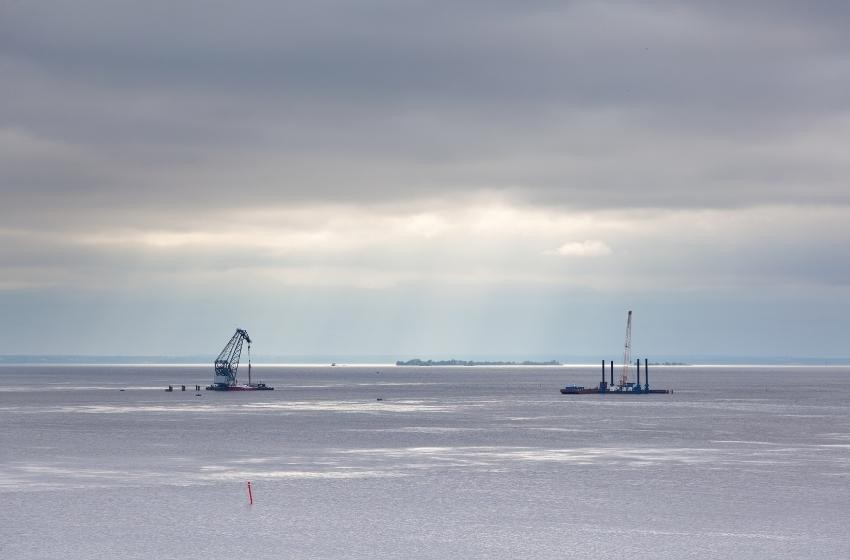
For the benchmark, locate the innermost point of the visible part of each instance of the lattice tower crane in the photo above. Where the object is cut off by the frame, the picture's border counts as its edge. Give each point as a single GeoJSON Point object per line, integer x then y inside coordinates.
{"type": "Point", "coordinates": [627, 352]}
{"type": "Point", "coordinates": [228, 360]}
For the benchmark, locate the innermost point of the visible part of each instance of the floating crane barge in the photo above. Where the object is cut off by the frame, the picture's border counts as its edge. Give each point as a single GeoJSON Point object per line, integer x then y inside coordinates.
{"type": "Point", "coordinates": [227, 364]}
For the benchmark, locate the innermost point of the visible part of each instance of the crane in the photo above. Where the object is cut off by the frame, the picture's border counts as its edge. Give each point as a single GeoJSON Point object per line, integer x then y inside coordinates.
{"type": "Point", "coordinates": [228, 360]}
{"type": "Point", "coordinates": [627, 352]}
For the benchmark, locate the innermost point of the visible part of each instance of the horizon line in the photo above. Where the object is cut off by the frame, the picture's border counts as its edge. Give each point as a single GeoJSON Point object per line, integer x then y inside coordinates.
{"type": "Point", "coordinates": [387, 360]}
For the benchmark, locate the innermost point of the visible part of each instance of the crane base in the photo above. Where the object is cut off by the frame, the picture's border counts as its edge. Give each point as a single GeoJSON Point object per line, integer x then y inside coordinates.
{"type": "Point", "coordinates": [252, 387]}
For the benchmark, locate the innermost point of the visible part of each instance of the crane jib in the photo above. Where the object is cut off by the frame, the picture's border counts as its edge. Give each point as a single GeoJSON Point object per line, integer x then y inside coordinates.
{"type": "Point", "coordinates": [227, 362]}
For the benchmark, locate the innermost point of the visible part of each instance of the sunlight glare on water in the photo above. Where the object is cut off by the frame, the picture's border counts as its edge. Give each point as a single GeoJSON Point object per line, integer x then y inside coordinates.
{"type": "Point", "coordinates": [450, 463]}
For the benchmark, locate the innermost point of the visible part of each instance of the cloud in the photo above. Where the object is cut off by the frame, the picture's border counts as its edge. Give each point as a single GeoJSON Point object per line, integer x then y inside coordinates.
{"type": "Point", "coordinates": [587, 248]}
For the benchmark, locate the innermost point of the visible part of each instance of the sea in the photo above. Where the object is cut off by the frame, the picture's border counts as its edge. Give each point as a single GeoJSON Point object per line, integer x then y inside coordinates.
{"type": "Point", "coordinates": [380, 461]}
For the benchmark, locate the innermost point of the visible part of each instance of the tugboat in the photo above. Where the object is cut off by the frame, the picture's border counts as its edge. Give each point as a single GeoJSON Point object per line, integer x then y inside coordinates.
{"type": "Point", "coordinates": [227, 364]}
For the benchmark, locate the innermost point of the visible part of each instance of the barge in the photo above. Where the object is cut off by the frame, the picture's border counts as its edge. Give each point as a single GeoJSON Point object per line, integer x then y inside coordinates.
{"type": "Point", "coordinates": [607, 388]}
{"type": "Point", "coordinates": [251, 387]}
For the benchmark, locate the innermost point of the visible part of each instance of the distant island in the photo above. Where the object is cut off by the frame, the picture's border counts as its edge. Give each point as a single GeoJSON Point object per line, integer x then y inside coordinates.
{"type": "Point", "coordinates": [418, 362]}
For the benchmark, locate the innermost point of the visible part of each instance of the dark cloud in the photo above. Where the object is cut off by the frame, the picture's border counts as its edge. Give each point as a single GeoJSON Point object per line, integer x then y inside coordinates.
{"type": "Point", "coordinates": [164, 105]}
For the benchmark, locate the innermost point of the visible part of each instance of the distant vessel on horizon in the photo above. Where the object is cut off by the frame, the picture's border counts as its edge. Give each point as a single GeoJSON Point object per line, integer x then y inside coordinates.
{"type": "Point", "coordinates": [419, 362]}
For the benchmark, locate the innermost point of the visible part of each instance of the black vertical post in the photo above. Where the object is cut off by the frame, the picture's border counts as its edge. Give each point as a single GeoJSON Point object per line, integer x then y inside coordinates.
{"type": "Point", "coordinates": [603, 371]}
{"type": "Point", "coordinates": [646, 367]}
{"type": "Point", "coordinates": [612, 373]}
{"type": "Point", "coordinates": [638, 373]}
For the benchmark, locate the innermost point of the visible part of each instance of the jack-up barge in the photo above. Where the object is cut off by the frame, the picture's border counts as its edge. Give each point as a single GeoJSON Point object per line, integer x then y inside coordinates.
{"type": "Point", "coordinates": [625, 388]}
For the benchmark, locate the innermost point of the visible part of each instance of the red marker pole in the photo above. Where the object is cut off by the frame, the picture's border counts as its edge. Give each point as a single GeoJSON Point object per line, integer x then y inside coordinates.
{"type": "Point", "coordinates": [250, 494]}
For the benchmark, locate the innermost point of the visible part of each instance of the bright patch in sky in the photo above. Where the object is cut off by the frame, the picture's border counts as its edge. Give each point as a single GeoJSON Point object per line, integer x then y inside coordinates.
{"type": "Point", "coordinates": [593, 248]}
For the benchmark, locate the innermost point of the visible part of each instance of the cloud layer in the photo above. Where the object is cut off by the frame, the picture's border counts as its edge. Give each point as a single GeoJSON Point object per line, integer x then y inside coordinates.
{"type": "Point", "coordinates": [618, 148]}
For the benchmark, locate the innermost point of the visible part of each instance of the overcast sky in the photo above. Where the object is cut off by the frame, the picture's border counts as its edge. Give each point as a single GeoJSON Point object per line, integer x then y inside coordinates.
{"type": "Point", "coordinates": [434, 179]}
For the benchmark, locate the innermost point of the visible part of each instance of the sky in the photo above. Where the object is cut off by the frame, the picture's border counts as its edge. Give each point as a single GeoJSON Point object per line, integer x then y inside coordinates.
{"type": "Point", "coordinates": [425, 179]}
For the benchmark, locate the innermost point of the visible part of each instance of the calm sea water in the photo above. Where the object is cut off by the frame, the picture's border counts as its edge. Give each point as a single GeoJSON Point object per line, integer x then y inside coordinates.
{"type": "Point", "coordinates": [451, 463]}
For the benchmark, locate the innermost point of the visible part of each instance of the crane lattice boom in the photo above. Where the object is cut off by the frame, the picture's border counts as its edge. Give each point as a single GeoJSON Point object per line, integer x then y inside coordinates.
{"type": "Point", "coordinates": [228, 360]}
{"type": "Point", "coordinates": [627, 352]}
